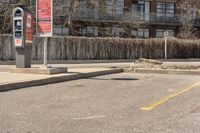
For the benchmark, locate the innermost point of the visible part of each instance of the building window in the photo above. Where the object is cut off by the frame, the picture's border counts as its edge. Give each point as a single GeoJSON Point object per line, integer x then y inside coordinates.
{"type": "Point", "coordinates": [89, 31]}
{"type": "Point", "coordinates": [83, 31]}
{"type": "Point", "coordinates": [115, 7]}
{"type": "Point", "coordinates": [92, 31]}
{"type": "Point", "coordinates": [142, 9]}
{"type": "Point", "coordinates": [32, 2]}
{"type": "Point", "coordinates": [119, 6]}
{"type": "Point", "coordinates": [119, 32]}
{"type": "Point", "coordinates": [134, 33]}
{"type": "Point", "coordinates": [165, 9]}
{"type": "Point", "coordinates": [160, 33]}
{"type": "Point", "coordinates": [60, 30]}
{"type": "Point", "coordinates": [142, 33]}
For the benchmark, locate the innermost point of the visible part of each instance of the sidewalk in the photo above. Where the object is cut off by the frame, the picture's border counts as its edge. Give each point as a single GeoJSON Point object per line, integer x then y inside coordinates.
{"type": "Point", "coordinates": [4, 68]}
{"type": "Point", "coordinates": [11, 81]}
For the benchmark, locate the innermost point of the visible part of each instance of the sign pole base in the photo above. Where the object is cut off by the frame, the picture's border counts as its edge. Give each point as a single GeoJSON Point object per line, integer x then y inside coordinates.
{"type": "Point", "coordinates": [165, 48]}
{"type": "Point", "coordinates": [45, 66]}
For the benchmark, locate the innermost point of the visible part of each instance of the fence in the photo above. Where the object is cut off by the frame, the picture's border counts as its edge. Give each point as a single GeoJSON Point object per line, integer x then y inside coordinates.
{"type": "Point", "coordinates": [84, 48]}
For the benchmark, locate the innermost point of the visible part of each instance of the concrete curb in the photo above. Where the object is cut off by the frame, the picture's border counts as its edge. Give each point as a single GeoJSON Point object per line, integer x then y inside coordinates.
{"type": "Point", "coordinates": [164, 71]}
{"type": "Point", "coordinates": [37, 70]}
{"type": "Point", "coordinates": [51, 80]}
{"type": "Point", "coordinates": [34, 62]}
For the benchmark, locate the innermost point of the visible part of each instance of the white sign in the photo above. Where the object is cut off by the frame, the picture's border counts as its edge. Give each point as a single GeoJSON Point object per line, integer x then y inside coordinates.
{"type": "Point", "coordinates": [18, 42]}
{"type": "Point", "coordinates": [166, 34]}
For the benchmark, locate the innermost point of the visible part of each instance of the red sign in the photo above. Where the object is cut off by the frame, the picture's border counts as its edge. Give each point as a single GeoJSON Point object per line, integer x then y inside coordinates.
{"type": "Point", "coordinates": [29, 21]}
{"type": "Point", "coordinates": [44, 17]}
{"type": "Point", "coordinates": [29, 31]}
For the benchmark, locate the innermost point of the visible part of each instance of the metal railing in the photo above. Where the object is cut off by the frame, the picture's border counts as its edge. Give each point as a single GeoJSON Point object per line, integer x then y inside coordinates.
{"type": "Point", "coordinates": [129, 16]}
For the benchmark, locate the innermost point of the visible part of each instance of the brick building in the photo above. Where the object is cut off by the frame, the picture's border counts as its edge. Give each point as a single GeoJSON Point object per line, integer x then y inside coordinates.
{"type": "Point", "coordinates": [123, 18]}
{"type": "Point", "coordinates": [151, 17]}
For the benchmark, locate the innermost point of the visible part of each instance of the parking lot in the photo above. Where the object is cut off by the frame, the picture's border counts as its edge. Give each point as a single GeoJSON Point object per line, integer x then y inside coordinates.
{"type": "Point", "coordinates": [118, 103]}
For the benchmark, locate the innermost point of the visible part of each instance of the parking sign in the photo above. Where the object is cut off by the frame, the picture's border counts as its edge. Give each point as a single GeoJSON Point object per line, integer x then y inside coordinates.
{"type": "Point", "coordinates": [166, 34]}
{"type": "Point", "coordinates": [44, 18]}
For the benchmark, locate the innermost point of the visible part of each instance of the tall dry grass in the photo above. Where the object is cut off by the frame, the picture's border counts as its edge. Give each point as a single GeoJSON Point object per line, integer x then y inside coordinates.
{"type": "Point", "coordinates": [85, 48]}
{"type": "Point", "coordinates": [81, 48]}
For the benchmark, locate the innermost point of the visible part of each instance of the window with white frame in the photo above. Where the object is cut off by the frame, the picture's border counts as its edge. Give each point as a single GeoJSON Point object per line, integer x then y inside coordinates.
{"type": "Point", "coordinates": [142, 9]}
{"type": "Point", "coordinates": [142, 33]}
{"type": "Point", "coordinates": [160, 33]}
{"type": "Point", "coordinates": [165, 9]}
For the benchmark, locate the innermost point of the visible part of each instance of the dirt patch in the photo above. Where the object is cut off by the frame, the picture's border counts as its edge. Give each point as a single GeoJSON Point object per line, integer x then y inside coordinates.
{"type": "Point", "coordinates": [154, 64]}
{"type": "Point", "coordinates": [146, 63]}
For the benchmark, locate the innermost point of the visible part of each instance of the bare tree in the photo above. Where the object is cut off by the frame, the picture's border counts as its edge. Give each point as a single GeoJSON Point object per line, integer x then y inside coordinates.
{"type": "Point", "coordinates": [98, 10]}
{"type": "Point", "coordinates": [78, 10]}
{"type": "Point", "coordinates": [75, 9]}
{"type": "Point", "coordinates": [5, 17]}
{"type": "Point", "coordinates": [6, 8]}
{"type": "Point", "coordinates": [190, 10]}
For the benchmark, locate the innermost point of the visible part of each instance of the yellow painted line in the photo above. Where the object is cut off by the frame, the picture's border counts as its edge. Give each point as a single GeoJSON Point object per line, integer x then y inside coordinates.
{"type": "Point", "coordinates": [167, 98]}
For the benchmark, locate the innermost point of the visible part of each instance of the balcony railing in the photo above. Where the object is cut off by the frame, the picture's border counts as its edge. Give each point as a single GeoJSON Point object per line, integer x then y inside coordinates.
{"type": "Point", "coordinates": [90, 15]}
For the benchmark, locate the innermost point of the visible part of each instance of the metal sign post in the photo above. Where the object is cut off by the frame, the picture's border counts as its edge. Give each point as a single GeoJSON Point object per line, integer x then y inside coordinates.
{"type": "Point", "coordinates": [166, 34]}
{"type": "Point", "coordinates": [45, 52]}
{"type": "Point", "coordinates": [44, 23]}
{"type": "Point", "coordinates": [165, 48]}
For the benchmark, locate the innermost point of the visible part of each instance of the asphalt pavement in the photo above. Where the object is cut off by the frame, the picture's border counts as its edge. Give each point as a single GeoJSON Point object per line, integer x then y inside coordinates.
{"type": "Point", "coordinates": [105, 104]}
